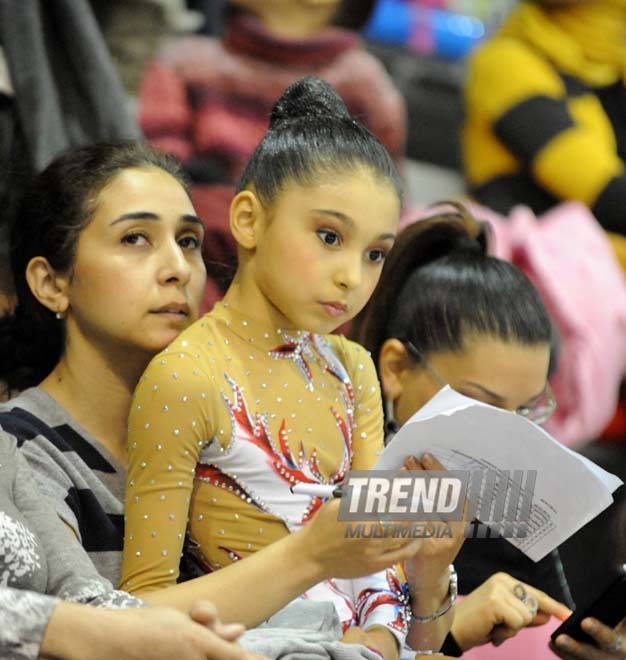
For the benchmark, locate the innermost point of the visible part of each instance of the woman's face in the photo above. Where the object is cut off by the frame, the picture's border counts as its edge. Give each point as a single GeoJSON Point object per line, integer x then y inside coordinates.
{"type": "Point", "coordinates": [507, 375]}
{"type": "Point", "coordinates": [138, 274]}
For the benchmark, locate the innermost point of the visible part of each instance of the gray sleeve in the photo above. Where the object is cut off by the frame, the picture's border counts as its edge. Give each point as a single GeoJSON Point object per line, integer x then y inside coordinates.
{"type": "Point", "coordinates": [24, 616]}
{"type": "Point", "coordinates": [71, 574]}
{"type": "Point", "coordinates": [51, 471]}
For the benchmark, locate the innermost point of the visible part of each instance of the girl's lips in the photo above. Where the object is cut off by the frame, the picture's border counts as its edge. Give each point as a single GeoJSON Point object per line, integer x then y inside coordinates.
{"type": "Point", "coordinates": [334, 309]}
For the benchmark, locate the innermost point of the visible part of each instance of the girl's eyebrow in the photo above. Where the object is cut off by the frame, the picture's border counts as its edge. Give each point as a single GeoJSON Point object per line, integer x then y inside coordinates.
{"type": "Point", "coordinates": [349, 222]}
{"type": "Point", "coordinates": [338, 215]}
{"type": "Point", "coordinates": [148, 215]}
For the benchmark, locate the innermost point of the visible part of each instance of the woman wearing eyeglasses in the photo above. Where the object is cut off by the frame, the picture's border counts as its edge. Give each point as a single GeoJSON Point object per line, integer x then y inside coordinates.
{"type": "Point", "coordinates": [445, 312]}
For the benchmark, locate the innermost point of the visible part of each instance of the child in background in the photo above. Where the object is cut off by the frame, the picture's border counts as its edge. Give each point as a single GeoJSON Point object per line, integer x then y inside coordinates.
{"type": "Point", "coordinates": [208, 100]}
{"type": "Point", "coordinates": [257, 395]}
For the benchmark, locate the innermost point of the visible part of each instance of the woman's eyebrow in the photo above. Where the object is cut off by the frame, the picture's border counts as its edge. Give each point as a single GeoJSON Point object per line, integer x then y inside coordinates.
{"type": "Point", "coordinates": [149, 215]}
{"type": "Point", "coordinates": [483, 389]}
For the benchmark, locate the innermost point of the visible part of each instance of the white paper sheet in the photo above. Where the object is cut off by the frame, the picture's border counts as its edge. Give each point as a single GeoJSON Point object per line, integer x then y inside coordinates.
{"type": "Point", "coordinates": [465, 434]}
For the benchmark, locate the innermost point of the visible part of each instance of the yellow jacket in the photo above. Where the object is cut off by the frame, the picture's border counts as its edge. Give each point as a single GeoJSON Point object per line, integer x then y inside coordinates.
{"type": "Point", "coordinates": [535, 132]}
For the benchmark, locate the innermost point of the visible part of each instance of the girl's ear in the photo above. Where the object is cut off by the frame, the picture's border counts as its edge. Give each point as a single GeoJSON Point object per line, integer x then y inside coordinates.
{"type": "Point", "coordinates": [393, 362]}
{"type": "Point", "coordinates": [246, 213]}
{"type": "Point", "coordinates": [50, 289]}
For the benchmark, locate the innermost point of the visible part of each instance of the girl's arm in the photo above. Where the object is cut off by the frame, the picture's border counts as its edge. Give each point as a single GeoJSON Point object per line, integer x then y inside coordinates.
{"type": "Point", "coordinates": [252, 589]}
{"type": "Point", "coordinates": [169, 424]}
{"type": "Point", "coordinates": [167, 429]}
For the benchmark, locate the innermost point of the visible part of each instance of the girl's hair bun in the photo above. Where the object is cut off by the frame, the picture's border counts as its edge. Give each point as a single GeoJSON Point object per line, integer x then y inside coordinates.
{"type": "Point", "coordinates": [308, 97]}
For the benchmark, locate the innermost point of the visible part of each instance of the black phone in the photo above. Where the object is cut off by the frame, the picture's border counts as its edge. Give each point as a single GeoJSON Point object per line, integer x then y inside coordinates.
{"type": "Point", "coordinates": [607, 605]}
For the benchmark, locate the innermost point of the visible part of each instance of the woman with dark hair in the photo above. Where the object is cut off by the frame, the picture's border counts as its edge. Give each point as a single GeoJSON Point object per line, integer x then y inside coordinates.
{"type": "Point", "coordinates": [445, 312]}
{"type": "Point", "coordinates": [70, 244]}
{"type": "Point", "coordinates": [257, 395]}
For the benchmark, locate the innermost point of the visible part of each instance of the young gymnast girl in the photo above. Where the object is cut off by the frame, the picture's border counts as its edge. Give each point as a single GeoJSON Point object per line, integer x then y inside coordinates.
{"type": "Point", "coordinates": [257, 396]}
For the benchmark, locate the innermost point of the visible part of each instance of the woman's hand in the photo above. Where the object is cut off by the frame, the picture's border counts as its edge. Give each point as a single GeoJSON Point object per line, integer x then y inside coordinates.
{"type": "Point", "coordinates": [205, 613]}
{"type": "Point", "coordinates": [79, 631]}
{"type": "Point", "coordinates": [611, 644]}
{"type": "Point", "coordinates": [429, 576]}
{"type": "Point", "coordinates": [428, 568]}
{"type": "Point", "coordinates": [495, 612]}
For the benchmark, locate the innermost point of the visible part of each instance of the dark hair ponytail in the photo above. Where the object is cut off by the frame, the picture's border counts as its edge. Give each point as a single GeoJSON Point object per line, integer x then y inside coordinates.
{"type": "Point", "coordinates": [56, 207]}
{"type": "Point", "coordinates": [439, 285]}
{"type": "Point", "coordinates": [311, 133]}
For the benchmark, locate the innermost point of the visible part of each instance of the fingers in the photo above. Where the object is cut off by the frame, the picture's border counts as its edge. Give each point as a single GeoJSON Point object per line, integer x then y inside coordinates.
{"type": "Point", "coordinates": [205, 613]}
{"type": "Point", "coordinates": [569, 649]}
{"type": "Point", "coordinates": [609, 641]}
{"type": "Point", "coordinates": [229, 631]}
{"type": "Point", "coordinates": [548, 605]}
{"type": "Point", "coordinates": [411, 463]}
{"type": "Point", "coordinates": [428, 462]}
{"type": "Point", "coordinates": [606, 638]}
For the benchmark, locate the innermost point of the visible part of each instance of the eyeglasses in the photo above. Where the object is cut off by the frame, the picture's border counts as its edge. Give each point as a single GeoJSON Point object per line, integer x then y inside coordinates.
{"type": "Point", "coordinates": [539, 412]}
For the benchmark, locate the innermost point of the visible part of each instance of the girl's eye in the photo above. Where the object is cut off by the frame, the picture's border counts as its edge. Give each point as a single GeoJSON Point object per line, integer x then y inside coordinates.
{"type": "Point", "coordinates": [135, 239]}
{"type": "Point", "coordinates": [189, 242]}
{"type": "Point", "coordinates": [329, 237]}
{"type": "Point", "coordinates": [377, 255]}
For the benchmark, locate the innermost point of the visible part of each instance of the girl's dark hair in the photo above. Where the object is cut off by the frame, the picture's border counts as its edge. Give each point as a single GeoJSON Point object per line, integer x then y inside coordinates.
{"type": "Point", "coordinates": [439, 286]}
{"type": "Point", "coordinates": [311, 133]}
{"type": "Point", "coordinates": [56, 207]}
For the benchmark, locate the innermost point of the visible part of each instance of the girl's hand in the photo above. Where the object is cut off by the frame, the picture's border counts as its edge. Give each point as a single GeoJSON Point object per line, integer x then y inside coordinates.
{"type": "Point", "coordinates": [611, 644]}
{"type": "Point", "coordinates": [324, 543]}
{"type": "Point", "coordinates": [493, 612]}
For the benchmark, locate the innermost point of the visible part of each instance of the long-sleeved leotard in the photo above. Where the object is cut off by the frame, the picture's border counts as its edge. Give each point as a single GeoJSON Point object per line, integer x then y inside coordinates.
{"type": "Point", "coordinates": [223, 422]}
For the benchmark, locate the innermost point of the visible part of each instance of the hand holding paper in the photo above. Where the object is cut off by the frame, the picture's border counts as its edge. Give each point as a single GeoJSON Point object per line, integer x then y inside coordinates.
{"type": "Point", "coordinates": [465, 434]}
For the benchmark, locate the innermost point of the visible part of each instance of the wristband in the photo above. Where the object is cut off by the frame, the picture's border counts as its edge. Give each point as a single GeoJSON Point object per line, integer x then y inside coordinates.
{"type": "Point", "coordinates": [449, 602]}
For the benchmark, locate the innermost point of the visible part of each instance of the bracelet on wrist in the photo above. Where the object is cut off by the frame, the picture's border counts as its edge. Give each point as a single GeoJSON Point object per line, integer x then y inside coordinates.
{"type": "Point", "coordinates": [449, 602]}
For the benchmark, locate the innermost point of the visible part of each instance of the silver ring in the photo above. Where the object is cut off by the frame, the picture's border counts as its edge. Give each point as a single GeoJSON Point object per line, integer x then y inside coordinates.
{"type": "Point", "coordinates": [519, 591]}
{"type": "Point", "coordinates": [532, 604]}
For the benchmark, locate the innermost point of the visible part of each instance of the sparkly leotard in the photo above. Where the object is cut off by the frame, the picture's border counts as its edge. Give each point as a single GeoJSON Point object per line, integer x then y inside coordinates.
{"type": "Point", "coordinates": [222, 423]}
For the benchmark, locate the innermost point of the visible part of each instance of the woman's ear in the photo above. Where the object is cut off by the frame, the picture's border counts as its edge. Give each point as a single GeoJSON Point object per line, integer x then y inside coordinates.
{"type": "Point", "coordinates": [50, 288]}
{"type": "Point", "coordinates": [393, 362]}
{"type": "Point", "coordinates": [246, 212]}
